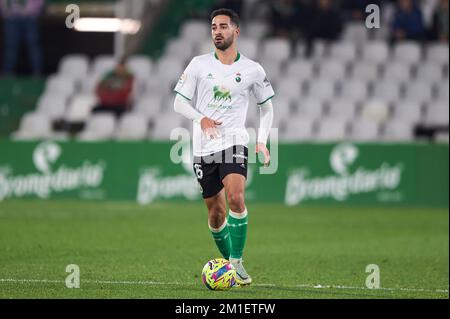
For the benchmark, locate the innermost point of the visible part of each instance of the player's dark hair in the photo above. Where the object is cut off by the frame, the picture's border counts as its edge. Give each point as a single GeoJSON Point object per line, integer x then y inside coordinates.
{"type": "Point", "coordinates": [234, 17]}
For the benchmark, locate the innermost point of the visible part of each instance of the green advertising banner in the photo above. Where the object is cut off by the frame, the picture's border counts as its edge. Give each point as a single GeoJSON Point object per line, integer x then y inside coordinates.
{"type": "Point", "coordinates": [369, 174]}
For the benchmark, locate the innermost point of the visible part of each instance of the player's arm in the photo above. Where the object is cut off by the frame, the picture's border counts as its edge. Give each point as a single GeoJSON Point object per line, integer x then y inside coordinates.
{"type": "Point", "coordinates": [265, 124]}
{"type": "Point", "coordinates": [183, 106]}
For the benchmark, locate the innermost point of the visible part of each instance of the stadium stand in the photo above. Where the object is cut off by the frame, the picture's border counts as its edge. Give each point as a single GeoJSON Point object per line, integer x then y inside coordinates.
{"type": "Point", "coordinates": [359, 87]}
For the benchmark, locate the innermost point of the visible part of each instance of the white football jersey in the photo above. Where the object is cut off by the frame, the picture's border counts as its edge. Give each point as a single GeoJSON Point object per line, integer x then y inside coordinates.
{"type": "Point", "coordinates": [221, 92]}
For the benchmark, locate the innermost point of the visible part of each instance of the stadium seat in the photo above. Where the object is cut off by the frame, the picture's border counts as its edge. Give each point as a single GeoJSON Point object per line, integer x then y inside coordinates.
{"type": "Point", "coordinates": [33, 126]}
{"type": "Point", "coordinates": [58, 84]}
{"type": "Point", "coordinates": [298, 129]}
{"type": "Point", "coordinates": [75, 66]}
{"type": "Point", "coordinates": [80, 107]}
{"type": "Point", "coordinates": [140, 66]}
{"type": "Point", "coordinates": [437, 114]}
{"type": "Point", "coordinates": [342, 109]}
{"type": "Point", "coordinates": [330, 129]}
{"type": "Point", "coordinates": [256, 29]}
{"type": "Point", "coordinates": [430, 72]}
{"type": "Point", "coordinates": [354, 90]}
{"type": "Point", "coordinates": [419, 91]}
{"type": "Point", "coordinates": [387, 90]}
{"type": "Point", "coordinates": [311, 108]}
{"type": "Point", "coordinates": [320, 49]}
{"type": "Point", "coordinates": [375, 52]}
{"type": "Point", "coordinates": [288, 88]}
{"type": "Point", "coordinates": [438, 53]}
{"type": "Point", "coordinates": [443, 91]}
{"type": "Point", "coordinates": [103, 64]}
{"type": "Point", "coordinates": [410, 111]}
{"type": "Point", "coordinates": [364, 131]}
{"type": "Point", "coordinates": [52, 105]}
{"type": "Point", "coordinates": [365, 72]}
{"type": "Point", "coordinates": [98, 127]}
{"type": "Point", "coordinates": [302, 69]}
{"type": "Point", "coordinates": [396, 71]}
{"type": "Point", "coordinates": [398, 131]}
{"type": "Point", "coordinates": [148, 106]}
{"type": "Point", "coordinates": [408, 52]}
{"type": "Point", "coordinates": [355, 32]}
{"type": "Point", "coordinates": [195, 31]}
{"type": "Point", "coordinates": [132, 127]}
{"type": "Point", "coordinates": [322, 89]}
{"type": "Point", "coordinates": [180, 48]}
{"type": "Point", "coordinates": [164, 124]}
{"type": "Point", "coordinates": [332, 70]}
{"type": "Point", "coordinates": [442, 137]}
{"type": "Point", "coordinates": [278, 45]}
{"type": "Point", "coordinates": [344, 52]}
{"type": "Point", "coordinates": [249, 47]}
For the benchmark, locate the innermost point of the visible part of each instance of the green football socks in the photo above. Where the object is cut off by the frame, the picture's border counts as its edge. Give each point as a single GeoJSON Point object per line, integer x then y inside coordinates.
{"type": "Point", "coordinates": [237, 224]}
{"type": "Point", "coordinates": [222, 238]}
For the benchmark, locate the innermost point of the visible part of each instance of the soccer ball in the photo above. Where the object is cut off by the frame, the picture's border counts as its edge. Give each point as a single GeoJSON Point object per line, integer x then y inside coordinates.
{"type": "Point", "coordinates": [219, 274]}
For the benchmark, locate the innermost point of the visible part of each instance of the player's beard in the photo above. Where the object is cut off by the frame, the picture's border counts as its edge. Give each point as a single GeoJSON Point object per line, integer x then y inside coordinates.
{"type": "Point", "coordinates": [226, 43]}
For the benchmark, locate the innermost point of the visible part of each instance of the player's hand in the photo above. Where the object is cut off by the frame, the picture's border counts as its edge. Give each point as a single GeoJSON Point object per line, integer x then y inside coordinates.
{"type": "Point", "coordinates": [209, 127]}
{"type": "Point", "coordinates": [261, 147]}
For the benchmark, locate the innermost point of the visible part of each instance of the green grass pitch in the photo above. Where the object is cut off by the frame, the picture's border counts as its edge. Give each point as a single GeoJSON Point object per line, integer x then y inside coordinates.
{"type": "Point", "coordinates": [129, 251]}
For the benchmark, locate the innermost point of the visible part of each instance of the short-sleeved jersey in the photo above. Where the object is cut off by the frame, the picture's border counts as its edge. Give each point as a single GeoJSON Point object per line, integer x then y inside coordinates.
{"type": "Point", "coordinates": [221, 92]}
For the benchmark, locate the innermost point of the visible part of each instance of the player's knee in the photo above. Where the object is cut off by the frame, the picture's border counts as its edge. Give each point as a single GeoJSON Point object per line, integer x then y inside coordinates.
{"type": "Point", "coordinates": [216, 217]}
{"type": "Point", "coordinates": [236, 201]}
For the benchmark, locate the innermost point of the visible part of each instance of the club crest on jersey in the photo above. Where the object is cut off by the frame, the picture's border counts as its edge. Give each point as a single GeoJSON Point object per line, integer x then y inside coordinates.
{"type": "Point", "coordinates": [210, 77]}
{"type": "Point", "coordinates": [221, 94]}
{"type": "Point", "coordinates": [238, 77]}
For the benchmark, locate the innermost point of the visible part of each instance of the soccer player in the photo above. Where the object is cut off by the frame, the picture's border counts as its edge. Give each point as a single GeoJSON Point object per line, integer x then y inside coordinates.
{"type": "Point", "coordinates": [214, 92]}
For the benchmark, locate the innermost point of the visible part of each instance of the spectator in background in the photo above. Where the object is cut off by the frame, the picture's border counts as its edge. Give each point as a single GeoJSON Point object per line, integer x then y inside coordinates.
{"type": "Point", "coordinates": [325, 22]}
{"type": "Point", "coordinates": [235, 5]}
{"type": "Point", "coordinates": [21, 22]}
{"type": "Point", "coordinates": [115, 89]}
{"type": "Point", "coordinates": [283, 16]}
{"type": "Point", "coordinates": [439, 29]}
{"type": "Point", "coordinates": [408, 23]}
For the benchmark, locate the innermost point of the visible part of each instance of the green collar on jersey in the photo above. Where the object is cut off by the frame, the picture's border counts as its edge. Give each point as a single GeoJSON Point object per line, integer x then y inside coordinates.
{"type": "Point", "coordinates": [237, 57]}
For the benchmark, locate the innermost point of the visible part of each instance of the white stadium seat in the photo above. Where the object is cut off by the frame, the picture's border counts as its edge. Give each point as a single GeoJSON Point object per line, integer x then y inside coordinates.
{"type": "Point", "coordinates": [132, 127]}
{"type": "Point", "coordinates": [331, 130]}
{"type": "Point", "coordinates": [344, 52]}
{"type": "Point", "coordinates": [398, 131]}
{"type": "Point", "coordinates": [375, 52]}
{"type": "Point", "coordinates": [355, 90]}
{"type": "Point", "coordinates": [99, 127]}
{"type": "Point", "coordinates": [419, 91]}
{"type": "Point", "coordinates": [342, 109]}
{"type": "Point", "coordinates": [33, 126]}
{"type": "Point", "coordinates": [437, 114]}
{"type": "Point", "coordinates": [438, 53]}
{"type": "Point", "coordinates": [364, 131]}
{"type": "Point", "coordinates": [298, 129]}
{"type": "Point", "coordinates": [408, 52]}
{"type": "Point", "coordinates": [396, 71]}
{"type": "Point", "coordinates": [52, 105]}
{"type": "Point", "coordinates": [80, 107]}
{"type": "Point", "coordinates": [282, 48]}
{"type": "Point", "coordinates": [409, 111]}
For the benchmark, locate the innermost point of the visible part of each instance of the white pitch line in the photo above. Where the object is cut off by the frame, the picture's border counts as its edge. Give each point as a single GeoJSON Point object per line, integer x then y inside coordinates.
{"type": "Point", "coordinates": [149, 283]}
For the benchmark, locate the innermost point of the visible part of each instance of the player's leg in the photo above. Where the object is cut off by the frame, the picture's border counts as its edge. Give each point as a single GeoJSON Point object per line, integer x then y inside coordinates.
{"type": "Point", "coordinates": [237, 223]}
{"type": "Point", "coordinates": [217, 222]}
{"type": "Point", "coordinates": [214, 196]}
